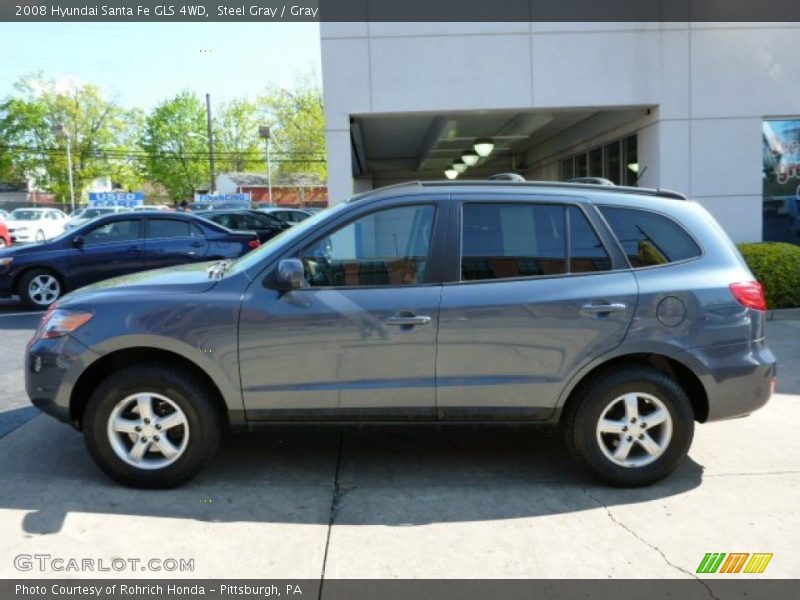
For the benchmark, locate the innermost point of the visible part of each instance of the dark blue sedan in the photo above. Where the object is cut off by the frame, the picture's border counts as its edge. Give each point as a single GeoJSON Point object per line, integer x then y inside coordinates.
{"type": "Point", "coordinates": [112, 246]}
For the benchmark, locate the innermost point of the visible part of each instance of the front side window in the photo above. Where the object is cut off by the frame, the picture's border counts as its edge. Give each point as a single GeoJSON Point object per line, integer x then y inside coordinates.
{"type": "Point", "coordinates": [502, 241]}
{"type": "Point", "coordinates": [648, 238]}
{"type": "Point", "coordinates": [116, 231]}
{"type": "Point", "coordinates": [389, 247]}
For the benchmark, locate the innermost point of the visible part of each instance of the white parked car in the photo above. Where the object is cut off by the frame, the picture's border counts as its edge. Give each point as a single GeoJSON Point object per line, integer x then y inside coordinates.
{"type": "Point", "coordinates": [35, 224]}
{"type": "Point", "coordinates": [87, 214]}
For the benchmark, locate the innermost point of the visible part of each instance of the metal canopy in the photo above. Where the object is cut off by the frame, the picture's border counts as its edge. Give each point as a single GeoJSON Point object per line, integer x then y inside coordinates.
{"type": "Point", "coordinates": [422, 145]}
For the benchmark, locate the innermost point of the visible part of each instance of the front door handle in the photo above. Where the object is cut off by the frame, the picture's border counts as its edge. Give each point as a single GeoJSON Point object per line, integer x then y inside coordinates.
{"type": "Point", "coordinates": [599, 309]}
{"type": "Point", "coordinates": [408, 320]}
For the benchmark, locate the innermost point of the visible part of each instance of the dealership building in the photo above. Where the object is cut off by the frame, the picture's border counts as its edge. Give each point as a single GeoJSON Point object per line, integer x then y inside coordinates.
{"type": "Point", "coordinates": [707, 109]}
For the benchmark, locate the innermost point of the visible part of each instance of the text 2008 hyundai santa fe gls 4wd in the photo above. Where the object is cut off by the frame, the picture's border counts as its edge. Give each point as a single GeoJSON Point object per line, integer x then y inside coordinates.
{"type": "Point", "coordinates": [622, 315]}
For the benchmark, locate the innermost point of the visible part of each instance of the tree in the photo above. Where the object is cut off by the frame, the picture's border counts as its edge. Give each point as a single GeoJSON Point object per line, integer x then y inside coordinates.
{"type": "Point", "coordinates": [297, 121]}
{"type": "Point", "coordinates": [97, 130]}
{"type": "Point", "coordinates": [236, 142]}
{"type": "Point", "coordinates": [174, 158]}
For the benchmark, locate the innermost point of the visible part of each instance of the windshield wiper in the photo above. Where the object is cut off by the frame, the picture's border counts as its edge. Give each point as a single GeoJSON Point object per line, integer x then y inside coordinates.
{"type": "Point", "coordinates": [218, 269]}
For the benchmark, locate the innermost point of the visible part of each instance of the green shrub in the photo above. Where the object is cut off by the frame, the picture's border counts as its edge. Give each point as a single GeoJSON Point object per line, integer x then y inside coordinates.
{"type": "Point", "coordinates": [777, 266]}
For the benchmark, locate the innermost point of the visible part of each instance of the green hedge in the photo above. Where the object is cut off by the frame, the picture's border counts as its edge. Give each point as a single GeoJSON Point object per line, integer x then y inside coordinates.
{"type": "Point", "coordinates": [777, 266]}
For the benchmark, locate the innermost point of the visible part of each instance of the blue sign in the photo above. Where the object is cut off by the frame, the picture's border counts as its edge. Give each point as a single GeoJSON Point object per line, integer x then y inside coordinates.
{"type": "Point", "coordinates": [129, 199]}
{"type": "Point", "coordinates": [221, 198]}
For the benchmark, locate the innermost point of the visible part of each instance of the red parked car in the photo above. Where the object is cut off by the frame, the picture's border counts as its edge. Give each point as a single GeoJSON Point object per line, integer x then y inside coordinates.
{"type": "Point", "coordinates": [5, 239]}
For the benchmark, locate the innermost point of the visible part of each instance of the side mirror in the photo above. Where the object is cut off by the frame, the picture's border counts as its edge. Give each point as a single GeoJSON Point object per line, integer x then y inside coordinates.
{"type": "Point", "coordinates": [77, 241]}
{"type": "Point", "coordinates": [291, 275]}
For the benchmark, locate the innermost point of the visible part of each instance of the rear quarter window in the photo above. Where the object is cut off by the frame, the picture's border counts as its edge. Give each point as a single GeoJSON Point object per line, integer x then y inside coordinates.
{"type": "Point", "coordinates": [648, 238]}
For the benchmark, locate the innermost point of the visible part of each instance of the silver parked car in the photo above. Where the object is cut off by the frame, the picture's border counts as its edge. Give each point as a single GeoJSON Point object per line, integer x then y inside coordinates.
{"type": "Point", "coordinates": [623, 315]}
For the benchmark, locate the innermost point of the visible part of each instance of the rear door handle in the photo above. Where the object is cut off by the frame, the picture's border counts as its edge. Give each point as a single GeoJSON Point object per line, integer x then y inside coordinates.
{"type": "Point", "coordinates": [598, 309]}
{"type": "Point", "coordinates": [408, 320]}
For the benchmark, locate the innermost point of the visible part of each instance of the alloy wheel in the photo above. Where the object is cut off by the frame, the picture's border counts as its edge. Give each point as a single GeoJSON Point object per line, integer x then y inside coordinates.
{"type": "Point", "coordinates": [44, 289]}
{"type": "Point", "coordinates": [634, 430]}
{"type": "Point", "coordinates": [148, 431]}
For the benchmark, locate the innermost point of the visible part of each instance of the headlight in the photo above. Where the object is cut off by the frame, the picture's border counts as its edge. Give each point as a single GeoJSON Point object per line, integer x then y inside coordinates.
{"type": "Point", "coordinates": [59, 322]}
{"type": "Point", "coordinates": [6, 262]}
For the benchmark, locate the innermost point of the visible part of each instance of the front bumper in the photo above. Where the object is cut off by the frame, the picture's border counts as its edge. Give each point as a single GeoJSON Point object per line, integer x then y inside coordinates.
{"type": "Point", "coordinates": [22, 237]}
{"type": "Point", "coordinates": [52, 368]}
{"type": "Point", "coordinates": [738, 378]}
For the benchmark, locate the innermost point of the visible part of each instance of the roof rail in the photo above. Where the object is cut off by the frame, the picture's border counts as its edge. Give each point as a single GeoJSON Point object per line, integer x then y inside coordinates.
{"type": "Point", "coordinates": [661, 193]}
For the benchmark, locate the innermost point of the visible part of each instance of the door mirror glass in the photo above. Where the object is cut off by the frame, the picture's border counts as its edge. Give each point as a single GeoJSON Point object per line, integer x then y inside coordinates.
{"type": "Point", "coordinates": [290, 276]}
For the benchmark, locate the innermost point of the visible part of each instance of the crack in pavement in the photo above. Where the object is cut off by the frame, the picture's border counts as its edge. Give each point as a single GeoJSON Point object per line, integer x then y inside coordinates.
{"type": "Point", "coordinates": [335, 502]}
{"type": "Point", "coordinates": [652, 546]}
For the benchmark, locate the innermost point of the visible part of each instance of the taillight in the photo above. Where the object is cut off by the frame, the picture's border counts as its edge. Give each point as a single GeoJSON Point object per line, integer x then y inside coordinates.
{"type": "Point", "coordinates": [254, 244]}
{"type": "Point", "coordinates": [749, 294]}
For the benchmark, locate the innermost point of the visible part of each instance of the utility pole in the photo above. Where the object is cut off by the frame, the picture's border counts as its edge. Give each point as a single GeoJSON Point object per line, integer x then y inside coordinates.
{"type": "Point", "coordinates": [265, 133]}
{"type": "Point", "coordinates": [212, 187]}
{"type": "Point", "coordinates": [61, 131]}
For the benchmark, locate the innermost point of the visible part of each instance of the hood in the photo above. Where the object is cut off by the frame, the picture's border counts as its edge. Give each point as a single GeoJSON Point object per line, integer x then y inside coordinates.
{"type": "Point", "coordinates": [41, 248]}
{"type": "Point", "coordinates": [192, 278]}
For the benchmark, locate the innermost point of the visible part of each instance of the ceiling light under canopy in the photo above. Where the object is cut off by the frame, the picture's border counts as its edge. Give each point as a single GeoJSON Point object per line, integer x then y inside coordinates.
{"type": "Point", "coordinates": [484, 146]}
{"type": "Point", "coordinates": [470, 158]}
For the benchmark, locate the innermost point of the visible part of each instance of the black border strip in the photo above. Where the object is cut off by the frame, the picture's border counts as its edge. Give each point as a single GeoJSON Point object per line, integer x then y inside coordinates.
{"type": "Point", "coordinates": [464, 11]}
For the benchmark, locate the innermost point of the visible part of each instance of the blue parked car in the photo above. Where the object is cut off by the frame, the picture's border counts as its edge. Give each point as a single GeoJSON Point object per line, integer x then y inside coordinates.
{"type": "Point", "coordinates": [111, 246]}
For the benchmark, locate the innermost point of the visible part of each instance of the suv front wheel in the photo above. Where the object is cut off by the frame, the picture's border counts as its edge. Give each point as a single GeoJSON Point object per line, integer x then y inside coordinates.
{"type": "Point", "coordinates": [151, 427]}
{"type": "Point", "coordinates": [630, 427]}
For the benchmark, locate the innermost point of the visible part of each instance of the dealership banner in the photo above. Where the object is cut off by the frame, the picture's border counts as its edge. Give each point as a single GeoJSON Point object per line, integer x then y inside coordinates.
{"type": "Point", "coordinates": [402, 10]}
{"type": "Point", "coordinates": [403, 589]}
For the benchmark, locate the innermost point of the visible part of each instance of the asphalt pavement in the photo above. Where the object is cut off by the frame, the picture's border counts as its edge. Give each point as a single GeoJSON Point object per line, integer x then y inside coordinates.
{"type": "Point", "coordinates": [405, 502]}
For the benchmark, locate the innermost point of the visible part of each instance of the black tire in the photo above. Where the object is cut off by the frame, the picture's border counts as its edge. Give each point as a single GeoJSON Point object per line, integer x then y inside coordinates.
{"type": "Point", "coordinates": [23, 288]}
{"type": "Point", "coordinates": [582, 415]}
{"type": "Point", "coordinates": [205, 424]}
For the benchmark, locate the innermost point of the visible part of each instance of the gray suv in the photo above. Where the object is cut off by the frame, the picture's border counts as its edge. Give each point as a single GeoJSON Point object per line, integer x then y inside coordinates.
{"type": "Point", "coordinates": [622, 315]}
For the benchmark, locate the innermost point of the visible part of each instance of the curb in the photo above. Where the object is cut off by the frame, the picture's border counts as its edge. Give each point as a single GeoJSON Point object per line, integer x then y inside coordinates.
{"type": "Point", "coordinates": [783, 314]}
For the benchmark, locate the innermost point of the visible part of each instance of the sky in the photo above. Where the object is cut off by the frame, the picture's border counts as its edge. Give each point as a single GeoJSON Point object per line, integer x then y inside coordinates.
{"type": "Point", "coordinates": [140, 64]}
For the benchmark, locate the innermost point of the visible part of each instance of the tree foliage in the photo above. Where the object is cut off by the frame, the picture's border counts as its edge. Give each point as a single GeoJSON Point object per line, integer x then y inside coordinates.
{"type": "Point", "coordinates": [297, 121]}
{"type": "Point", "coordinates": [175, 146]}
{"type": "Point", "coordinates": [166, 147]}
{"type": "Point", "coordinates": [30, 148]}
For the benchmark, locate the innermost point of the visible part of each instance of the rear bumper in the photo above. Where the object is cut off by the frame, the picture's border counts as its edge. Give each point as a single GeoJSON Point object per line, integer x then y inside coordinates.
{"type": "Point", "coordinates": [738, 377]}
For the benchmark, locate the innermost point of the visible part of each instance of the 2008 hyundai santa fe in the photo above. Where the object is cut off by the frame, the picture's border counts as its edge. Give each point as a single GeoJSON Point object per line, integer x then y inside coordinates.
{"type": "Point", "coordinates": [623, 315]}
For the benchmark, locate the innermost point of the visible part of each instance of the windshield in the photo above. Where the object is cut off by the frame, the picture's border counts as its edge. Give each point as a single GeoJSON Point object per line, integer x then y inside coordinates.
{"type": "Point", "coordinates": [22, 214]}
{"type": "Point", "coordinates": [251, 259]}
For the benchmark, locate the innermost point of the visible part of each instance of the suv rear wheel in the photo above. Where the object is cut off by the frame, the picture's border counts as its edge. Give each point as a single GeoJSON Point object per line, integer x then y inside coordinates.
{"type": "Point", "coordinates": [631, 427]}
{"type": "Point", "coordinates": [151, 427]}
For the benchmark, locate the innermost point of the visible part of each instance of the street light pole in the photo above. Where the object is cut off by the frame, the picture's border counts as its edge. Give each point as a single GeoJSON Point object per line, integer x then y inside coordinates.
{"type": "Point", "coordinates": [62, 132]}
{"type": "Point", "coordinates": [265, 133]}
{"type": "Point", "coordinates": [210, 143]}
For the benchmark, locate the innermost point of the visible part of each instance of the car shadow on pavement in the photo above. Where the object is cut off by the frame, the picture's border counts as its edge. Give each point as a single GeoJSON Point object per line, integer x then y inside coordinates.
{"type": "Point", "coordinates": [392, 476]}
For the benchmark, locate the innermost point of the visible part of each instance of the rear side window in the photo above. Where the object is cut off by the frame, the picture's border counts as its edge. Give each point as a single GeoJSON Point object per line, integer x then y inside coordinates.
{"type": "Point", "coordinates": [648, 238]}
{"type": "Point", "coordinates": [512, 240]}
{"type": "Point", "coordinates": [170, 228]}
